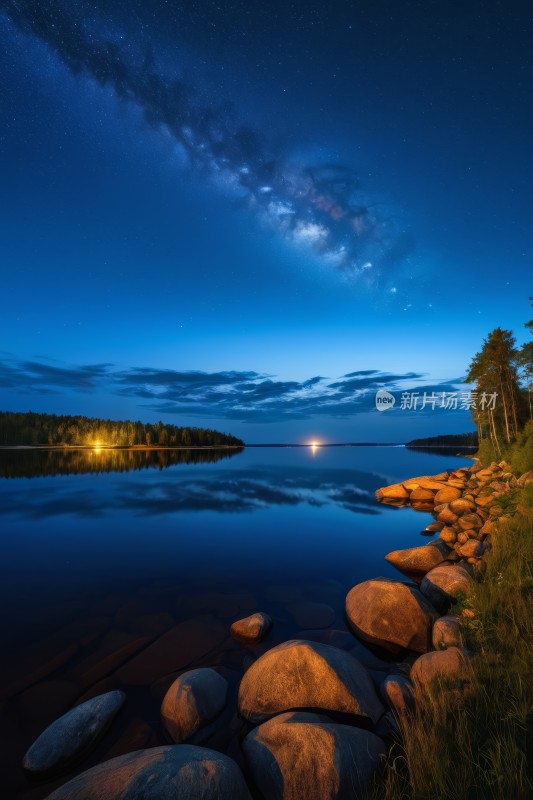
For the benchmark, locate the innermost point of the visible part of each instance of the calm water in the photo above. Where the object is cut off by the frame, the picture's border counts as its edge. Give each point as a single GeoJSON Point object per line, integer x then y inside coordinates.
{"type": "Point", "coordinates": [103, 552]}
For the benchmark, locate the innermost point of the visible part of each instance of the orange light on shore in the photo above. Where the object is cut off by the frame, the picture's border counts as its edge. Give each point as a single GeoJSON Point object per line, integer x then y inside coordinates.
{"type": "Point", "coordinates": [97, 447]}
{"type": "Point", "coordinates": [314, 445]}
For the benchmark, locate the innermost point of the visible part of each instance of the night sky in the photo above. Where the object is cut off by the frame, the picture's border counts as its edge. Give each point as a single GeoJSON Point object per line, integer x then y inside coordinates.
{"type": "Point", "coordinates": [251, 215]}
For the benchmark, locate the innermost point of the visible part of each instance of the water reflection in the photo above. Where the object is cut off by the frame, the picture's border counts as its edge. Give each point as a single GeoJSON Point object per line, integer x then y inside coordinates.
{"type": "Point", "coordinates": [252, 489]}
{"type": "Point", "coordinates": [42, 463]}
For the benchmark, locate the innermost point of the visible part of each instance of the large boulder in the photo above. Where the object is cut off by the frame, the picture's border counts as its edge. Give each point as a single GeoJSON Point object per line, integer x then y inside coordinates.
{"type": "Point", "coordinates": [391, 614]}
{"type": "Point", "coordinates": [451, 665]}
{"type": "Point", "coordinates": [160, 773]}
{"type": "Point", "coordinates": [300, 755]}
{"type": "Point", "coordinates": [303, 674]}
{"type": "Point", "coordinates": [470, 549]}
{"type": "Point", "coordinates": [419, 560]}
{"type": "Point", "coordinates": [193, 700]}
{"type": "Point", "coordinates": [445, 583]}
{"type": "Point", "coordinates": [251, 629]}
{"type": "Point", "coordinates": [73, 734]}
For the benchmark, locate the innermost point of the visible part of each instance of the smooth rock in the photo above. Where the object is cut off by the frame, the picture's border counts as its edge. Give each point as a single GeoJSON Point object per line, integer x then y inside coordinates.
{"type": "Point", "coordinates": [299, 755]}
{"type": "Point", "coordinates": [448, 535]}
{"type": "Point", "coordinates": [303, 674]}
{"type": "Point", "coordinates": [468, 521]}
{"type": "Point", "coordinates": [193, 700]}
{"type": "Point", "coordinates": [422, 495]}
{"type": "Point", "coordinates": [446, 633]}
{"type": "Point", "coordinates": [423, 482]}
{"type": "Point", "coordinates": [470, 549]}
{"type": "Point", "coordinates": [450, 664]}
{"type": "Point", "coordinates": [160, 773]}
{"type": "Point", "coordinates": [419, 560]}
{"type": "Point", "coordinates": [461, 506]}
{"type": "Point", "coordinates": [73, 734]}
{"type": "Point", "coordinates": [397, 691]}
{"type": "Point", "coordinates": [445, 583]}
{"type": "Point", "coordinates": [447, 494]}
{"type": "Point", "coordinates": [390, 614]}
{"type": "Point", "coordinates": [447, 516]}
{"type": "Point", "coordinates": [251, 629]}
{"type": "Point", "coordinates": [394, 492]}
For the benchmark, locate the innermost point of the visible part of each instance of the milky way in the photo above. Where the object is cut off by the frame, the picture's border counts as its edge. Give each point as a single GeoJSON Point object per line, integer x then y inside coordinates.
{"type": "Point", "coordinates": [321, 208]}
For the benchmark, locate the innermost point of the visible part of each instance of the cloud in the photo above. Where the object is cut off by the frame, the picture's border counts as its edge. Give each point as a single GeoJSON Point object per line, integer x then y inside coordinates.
{"type": "Point", "coordinates": [322, 208]}
{"type": "Point", "coordinates": [233, 395]}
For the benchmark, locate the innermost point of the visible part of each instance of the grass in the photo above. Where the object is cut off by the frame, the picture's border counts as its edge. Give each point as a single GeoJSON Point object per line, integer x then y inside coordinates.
{"type": "Point", "coordinates": [475, 748]}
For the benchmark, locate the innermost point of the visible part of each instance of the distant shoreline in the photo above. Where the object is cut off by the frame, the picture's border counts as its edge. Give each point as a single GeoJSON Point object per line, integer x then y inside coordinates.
{"type": "Point", "coordinates": [142, 447]}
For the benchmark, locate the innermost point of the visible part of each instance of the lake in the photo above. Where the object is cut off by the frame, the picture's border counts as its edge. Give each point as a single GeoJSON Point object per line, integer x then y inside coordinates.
{"type": "Point", "coordinates": [119, 570]}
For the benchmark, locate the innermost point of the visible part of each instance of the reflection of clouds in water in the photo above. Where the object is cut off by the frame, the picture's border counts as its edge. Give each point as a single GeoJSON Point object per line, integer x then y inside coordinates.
{"type": "Point", "coordinates": [242, 490]}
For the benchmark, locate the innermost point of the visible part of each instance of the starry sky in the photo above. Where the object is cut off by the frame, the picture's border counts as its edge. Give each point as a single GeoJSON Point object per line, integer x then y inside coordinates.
{"type": "Point", "coordinates": [252, 216]}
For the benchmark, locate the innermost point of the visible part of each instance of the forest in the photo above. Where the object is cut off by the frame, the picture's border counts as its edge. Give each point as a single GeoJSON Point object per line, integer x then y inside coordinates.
{"type": "Point", "coordinates": [32, 429]}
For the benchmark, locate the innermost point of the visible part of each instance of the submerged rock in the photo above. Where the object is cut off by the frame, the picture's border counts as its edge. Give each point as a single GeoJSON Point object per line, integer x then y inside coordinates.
{"type": "Point", "coordinates": [391, 614]}
{"type": "Point", "coordinates": [300, 755]}
{"type": "Point", "coordinates": [304, 674]}
{"type": "Point", "coordinates": [160, 773]}
{"type": "Point", "coordinates": [193, 700]}
{"type": "Point", "coordinates": [251, 629]}
{"type": "Point", "coordinates": [73, 734]}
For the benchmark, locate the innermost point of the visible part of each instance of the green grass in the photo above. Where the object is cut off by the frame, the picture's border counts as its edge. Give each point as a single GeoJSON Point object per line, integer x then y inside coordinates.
{"type": "Point", "coordinates": [475, 748]}
{"type": "Point", "coordinates": [518, 454]}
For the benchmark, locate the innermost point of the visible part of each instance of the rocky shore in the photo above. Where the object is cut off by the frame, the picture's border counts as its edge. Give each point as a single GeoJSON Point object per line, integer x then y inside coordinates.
{"type": "Point", "coordinates": [314, 716]}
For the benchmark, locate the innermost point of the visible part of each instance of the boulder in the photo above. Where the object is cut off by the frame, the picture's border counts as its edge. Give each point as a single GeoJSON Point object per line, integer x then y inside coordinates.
{"type": "Point", "coordinates": [396, 491]}
{"type": "Point", "coordinates": [159, 773]}
{"type": "Point", "coordinates": [391, 614]}
{"type": "Point", "coordinates": [193, 700]}
{"type": "Point", "coordinates": [300, 755]}
{"type": "Point", "coordinates": [488, 528]}
{"type": "Point", "coordinates": [461, 506]}
{"type": "Point", "coordinates": [303, 674]}
{"type": "Point", "coordinates": [443, 584]}
{"type": "Point", "coordinates": [422, 495]}
{"type": "Point", "coordinates": [447, 516]}
{"type": "Point", "coordinates": [468, 521]}
{"type": "Point", "coordinates": [433, 527]}
{"type": "Point", "coordinates": [447, 633]}
{"type": "Point", "coordinates": [470, 549]}
{"type": "Point", "coordinates": [451, 664]}
{"type": "Point", "coordinates": [448, 535]}
{"type": "Point", "coordinates": [251, 629]}
{"type": "Point", "coordinates": [423, 482]}
{"type": "Point", "coordinates": [419, 560]}
{"type": "Point", "coordinates": [447, 494]}
{"type": "Point", "coordinates": [484, 500]}
{"type": "Point", "coordinates": [73, 734]}
{"type": "Point", "coordinates": [397, 691]}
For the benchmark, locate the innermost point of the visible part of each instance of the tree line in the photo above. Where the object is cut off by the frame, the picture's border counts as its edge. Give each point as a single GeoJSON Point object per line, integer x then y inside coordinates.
{"type": "Point", "coordinates": [505, 370]}
{"type": "Point", "coordinates": [30, 428]}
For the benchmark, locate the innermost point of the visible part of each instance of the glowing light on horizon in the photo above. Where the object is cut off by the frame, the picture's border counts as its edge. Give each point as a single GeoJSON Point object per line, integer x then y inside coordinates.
{"type": "Point", "coordinates": [314, 445]}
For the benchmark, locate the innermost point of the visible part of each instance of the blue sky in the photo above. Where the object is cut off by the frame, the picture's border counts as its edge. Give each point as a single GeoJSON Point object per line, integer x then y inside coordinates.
{"type": "Point", "coordinates": [207, 188]}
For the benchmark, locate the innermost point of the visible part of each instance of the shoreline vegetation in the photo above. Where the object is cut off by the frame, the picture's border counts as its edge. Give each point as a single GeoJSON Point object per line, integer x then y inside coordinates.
{"type": "Point", "coordinates": [25, 429]}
